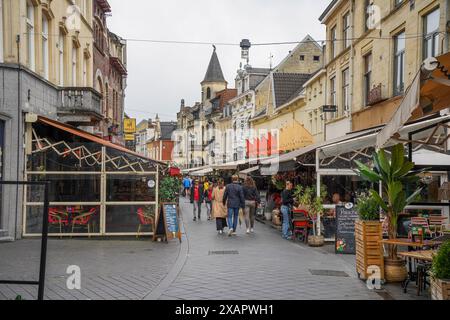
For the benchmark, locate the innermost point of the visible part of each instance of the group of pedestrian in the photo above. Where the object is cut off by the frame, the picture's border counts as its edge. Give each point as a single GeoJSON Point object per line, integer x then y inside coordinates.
{"type": "Point", "coordinates": [224, 203]}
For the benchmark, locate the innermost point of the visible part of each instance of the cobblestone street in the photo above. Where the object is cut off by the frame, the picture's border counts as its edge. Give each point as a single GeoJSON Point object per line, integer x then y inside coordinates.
{"type": "Point", "coordinates": [260, 266]}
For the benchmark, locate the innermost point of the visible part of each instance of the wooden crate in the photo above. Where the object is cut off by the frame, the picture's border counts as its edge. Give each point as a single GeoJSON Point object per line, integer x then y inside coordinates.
{"type": "Point", "coordinates": [369, 251]}
{"type": "Point", "coordinates": [440, 290]}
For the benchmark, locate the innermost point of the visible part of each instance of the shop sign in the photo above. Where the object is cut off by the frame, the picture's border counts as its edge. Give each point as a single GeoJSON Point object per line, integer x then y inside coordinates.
{"type": "Point", "coordinates": [329, 108]}
{"type": "Point", "coordinates": [129, 125]}
{"type": "Point", "coordinates": [129, 137]}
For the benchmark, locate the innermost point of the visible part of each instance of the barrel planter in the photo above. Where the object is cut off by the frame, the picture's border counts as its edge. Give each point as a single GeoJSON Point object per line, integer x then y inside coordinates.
{"type": "Point", "coordinates": [395, 270]}
{"type": "Point", "coordinates": [440, 289]}
{"type": "Point", "coordinates": [316, 241]}
{"type": "Point", "coordinates": [369, 251]}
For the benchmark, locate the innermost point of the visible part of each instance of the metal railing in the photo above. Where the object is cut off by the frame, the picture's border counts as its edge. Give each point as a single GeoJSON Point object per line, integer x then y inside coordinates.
{"type": "Point", "coordinates": [43, 260]}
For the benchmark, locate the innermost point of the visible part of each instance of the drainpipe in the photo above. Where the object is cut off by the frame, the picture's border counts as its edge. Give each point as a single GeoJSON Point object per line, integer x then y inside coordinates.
{"type": "Point", "coordinates": [352, 67]}
{"type": "Point", "coordinates": [19, 113]}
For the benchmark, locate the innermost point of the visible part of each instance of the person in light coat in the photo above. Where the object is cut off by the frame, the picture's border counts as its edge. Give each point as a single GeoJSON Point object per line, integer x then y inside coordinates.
{"type": "Point", "coordinates": [219, 210]}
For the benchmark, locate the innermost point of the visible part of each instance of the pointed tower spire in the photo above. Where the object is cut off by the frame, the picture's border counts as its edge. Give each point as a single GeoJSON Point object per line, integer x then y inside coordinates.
{"type": "Point", "coordinates": [214, 72]}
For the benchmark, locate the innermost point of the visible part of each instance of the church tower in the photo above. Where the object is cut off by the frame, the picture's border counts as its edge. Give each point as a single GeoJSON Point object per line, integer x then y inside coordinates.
{"type": "Point", "coordinates": [214, 80]}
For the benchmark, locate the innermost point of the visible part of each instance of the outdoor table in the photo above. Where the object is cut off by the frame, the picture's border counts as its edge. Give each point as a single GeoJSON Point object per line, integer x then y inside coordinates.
{"type": "Point", "coordinates": [413, 257]}
{"type": "Point", "coordinates": [412, 245]}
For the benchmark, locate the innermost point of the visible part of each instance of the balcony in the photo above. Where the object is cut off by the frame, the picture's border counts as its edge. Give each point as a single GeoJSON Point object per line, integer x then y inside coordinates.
{"type": "Point", "coordinates": [79, 106]}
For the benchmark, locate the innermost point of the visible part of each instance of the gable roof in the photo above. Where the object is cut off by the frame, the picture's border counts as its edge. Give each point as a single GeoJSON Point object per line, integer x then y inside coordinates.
{"type": "Point", "coordinates": [224, 96]}
{"type": "Point", "coordinates": [287, 86]}
{"type": "Point", "coordinates": [167, 128]}
{"type": "Point", "coordinates": [214, 72]}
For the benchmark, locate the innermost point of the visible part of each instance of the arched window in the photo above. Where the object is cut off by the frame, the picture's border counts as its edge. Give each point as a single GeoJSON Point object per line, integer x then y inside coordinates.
{"type": "Point", "coordinates": [208, 93]}
{"type": "Point", "coordinates": [45, 47]}
{"type": "Point", "coordinates": [61, 45]}
{"type": "Point", "coordinates": [31, 62]}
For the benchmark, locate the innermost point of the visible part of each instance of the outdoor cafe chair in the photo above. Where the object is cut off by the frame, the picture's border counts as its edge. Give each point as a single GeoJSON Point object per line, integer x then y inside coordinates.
{"type": "Point", "coordinates": [84, 220]}
{"type": "Point", "coordinates": [144, 220]}
{"type": "Point", "coordinates": [57, 218]}
{"type": "Point", "coordinates": [437, 224]}
{"type": "Point", "coordinates": [420, 222]}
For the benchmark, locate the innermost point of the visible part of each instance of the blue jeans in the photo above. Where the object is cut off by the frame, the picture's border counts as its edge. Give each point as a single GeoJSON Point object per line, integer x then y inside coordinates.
{"type": "Point", "coordinates": [286, 211]}
{"type": "Point", "coordinates": [233, 216]}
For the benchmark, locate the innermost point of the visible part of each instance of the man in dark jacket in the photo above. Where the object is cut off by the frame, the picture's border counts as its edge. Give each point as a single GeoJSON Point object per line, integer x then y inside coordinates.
{"type": "Point", "coordinates": [234, 199]}
{"type": "Point", "coordinates": [197, 196]}
{"type": "Point", "coordinates": [287, 202]}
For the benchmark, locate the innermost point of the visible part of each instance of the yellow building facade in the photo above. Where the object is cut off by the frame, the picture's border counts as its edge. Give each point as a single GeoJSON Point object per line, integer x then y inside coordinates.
{"type": "Point", "coordinates": [51, 38]}
{"type": "Point", "coordinates": [276, 112]}
{"type": "Point", "coordinates": [374, 50]}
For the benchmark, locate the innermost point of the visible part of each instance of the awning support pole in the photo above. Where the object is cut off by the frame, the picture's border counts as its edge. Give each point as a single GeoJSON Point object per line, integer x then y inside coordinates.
{"type": "Point", "coordinates": [318, 189]}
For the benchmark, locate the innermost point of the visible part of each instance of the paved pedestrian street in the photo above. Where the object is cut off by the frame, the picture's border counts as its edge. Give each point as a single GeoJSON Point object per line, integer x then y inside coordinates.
{"type": "Point", "coordinates": [205, 266]}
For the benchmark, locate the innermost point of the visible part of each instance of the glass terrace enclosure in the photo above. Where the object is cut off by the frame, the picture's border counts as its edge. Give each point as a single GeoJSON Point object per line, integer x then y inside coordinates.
{"type": "Point", "coordinates": [97, 188]}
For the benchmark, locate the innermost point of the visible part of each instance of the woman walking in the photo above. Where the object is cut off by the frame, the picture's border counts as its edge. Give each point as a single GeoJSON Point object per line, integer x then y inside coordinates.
{"type": "Point", "coordinates": [252, 200]}
{"type": "Point", "coordinates": [219, 210]}
{"type": "Point", "coordinates": [208, 200]}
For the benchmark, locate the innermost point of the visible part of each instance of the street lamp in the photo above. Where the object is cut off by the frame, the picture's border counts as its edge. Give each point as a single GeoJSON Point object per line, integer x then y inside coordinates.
{"type": "Point", "coordinates": [245, 49]}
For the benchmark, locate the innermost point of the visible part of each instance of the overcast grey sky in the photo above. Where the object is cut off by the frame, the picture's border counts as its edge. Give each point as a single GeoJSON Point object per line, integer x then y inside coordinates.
{"type": "Point", "coordinates": [160, 75]}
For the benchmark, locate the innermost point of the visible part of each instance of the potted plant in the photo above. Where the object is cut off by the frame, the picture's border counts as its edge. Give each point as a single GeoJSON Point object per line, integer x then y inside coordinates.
{"type": "Point", "coordinates": [394, 173]}
{"type": "Point", "coordinates": [440, 274]}
{"type": "Point", "coordinates": [313, 205]}
{"type": "Point", "coordinates": [368, 234]}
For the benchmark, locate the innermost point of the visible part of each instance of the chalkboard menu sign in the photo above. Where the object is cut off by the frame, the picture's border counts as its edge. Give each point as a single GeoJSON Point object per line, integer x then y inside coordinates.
{"type": "Point", "coordinates": [346, 216]}
{"type": "Point", "coordinates": [168, 223]}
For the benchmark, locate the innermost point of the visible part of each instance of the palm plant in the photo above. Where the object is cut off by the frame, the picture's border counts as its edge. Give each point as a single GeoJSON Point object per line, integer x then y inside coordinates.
{"type": "Point", "coordinates": [394, 173]}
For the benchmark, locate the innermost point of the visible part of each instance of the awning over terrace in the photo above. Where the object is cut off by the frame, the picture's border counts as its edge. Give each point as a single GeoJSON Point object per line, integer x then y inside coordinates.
{"type": "Point", "coordinates": [429, 93]}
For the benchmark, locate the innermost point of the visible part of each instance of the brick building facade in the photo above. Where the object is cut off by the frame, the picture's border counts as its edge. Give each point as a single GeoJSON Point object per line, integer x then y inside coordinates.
{"type": "Point", "coordinates": [109, 73]}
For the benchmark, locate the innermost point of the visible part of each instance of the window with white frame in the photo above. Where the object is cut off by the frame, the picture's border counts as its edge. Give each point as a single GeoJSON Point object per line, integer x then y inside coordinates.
{"type": "Point", "coordinates": [333, 96]}
{"type": "Point", "coordinates": [85, 70]}
{"type": "Point", "coordinates": [333, 36]}
{"type": "Point", "coordinates": [74, 65]}
{"type": "Point", "coordinates": [346, 30]}
{"type": "Point", "coordinates": [431, 34]}
{"type": "Point", "coordinates": [45, 47]}
{"type": "Point", "coordinates": [399, 63]}
{"type": "Point", "coordinates": [346, 89]}
{"type": "Point", "coordinates": [31, 56]}
{"type": "Point", "coordinates": [61, 44]}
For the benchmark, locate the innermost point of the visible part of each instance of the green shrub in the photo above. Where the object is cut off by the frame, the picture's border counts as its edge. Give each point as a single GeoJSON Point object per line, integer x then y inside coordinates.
{"type": "Point", "coordinates": [169, 189]}
{"type": "Point", "coordinates": [368, 208]}
{"type": "Point", "coordinates": [441, 262]}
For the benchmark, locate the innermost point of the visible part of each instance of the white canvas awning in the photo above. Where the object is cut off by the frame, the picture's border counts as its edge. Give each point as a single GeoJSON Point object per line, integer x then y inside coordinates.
{"type": "Point", "coordinates": [250, 170]}
{"type": "Point", "coordinates": [424, 157]}
{"type": "Point", "coordinates": [429, 93]}
{"type": "Point", "coordinates": [369, 140]}
{"type": "Point", "coordinates": [202, 172]}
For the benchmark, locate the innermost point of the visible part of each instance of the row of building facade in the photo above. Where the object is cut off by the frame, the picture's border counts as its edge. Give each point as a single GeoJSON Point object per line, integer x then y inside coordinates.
{"type": "Point", "coordinates": [58, 59]}
{"type": "Point", "coordinates": [354, 80]}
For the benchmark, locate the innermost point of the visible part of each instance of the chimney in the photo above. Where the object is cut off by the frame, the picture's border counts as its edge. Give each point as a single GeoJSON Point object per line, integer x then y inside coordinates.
{"type": "Point", "coordinates": [182, 104]}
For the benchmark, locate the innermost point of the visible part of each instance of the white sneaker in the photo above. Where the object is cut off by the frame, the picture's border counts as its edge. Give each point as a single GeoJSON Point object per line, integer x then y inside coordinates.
{"type": "Point", "coordinates": [248, 231]}
{"type": "Point", "coordinates": [220, 231]}
{"type": "Point", "coordinates": [230, 233]}
{"type": "Point", "coordinates": [252, 231]}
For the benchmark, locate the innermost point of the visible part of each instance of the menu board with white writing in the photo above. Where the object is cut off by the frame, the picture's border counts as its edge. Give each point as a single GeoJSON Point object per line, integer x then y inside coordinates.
{"type": "Point", "coordinates": [346, 216]}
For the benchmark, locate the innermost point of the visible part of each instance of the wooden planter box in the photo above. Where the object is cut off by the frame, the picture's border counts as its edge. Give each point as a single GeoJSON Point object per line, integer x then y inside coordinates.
{"type": "Point", "coordinates": [440, 289]}
{"type": "Point", "coordinates": [369, 251]}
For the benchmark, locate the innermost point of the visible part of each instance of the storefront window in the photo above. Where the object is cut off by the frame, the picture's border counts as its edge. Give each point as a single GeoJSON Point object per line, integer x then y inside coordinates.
{"type": "Point", "coordinates": [130, 219]}
{"type": "Point", "coordinates": [130, 188]}
{"type": "Point", "coordinates": [71, 219]}
{"type": "Point", "coordinates": [342, 189]}
{"type": "Point", "coordinates": [66, 188]}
